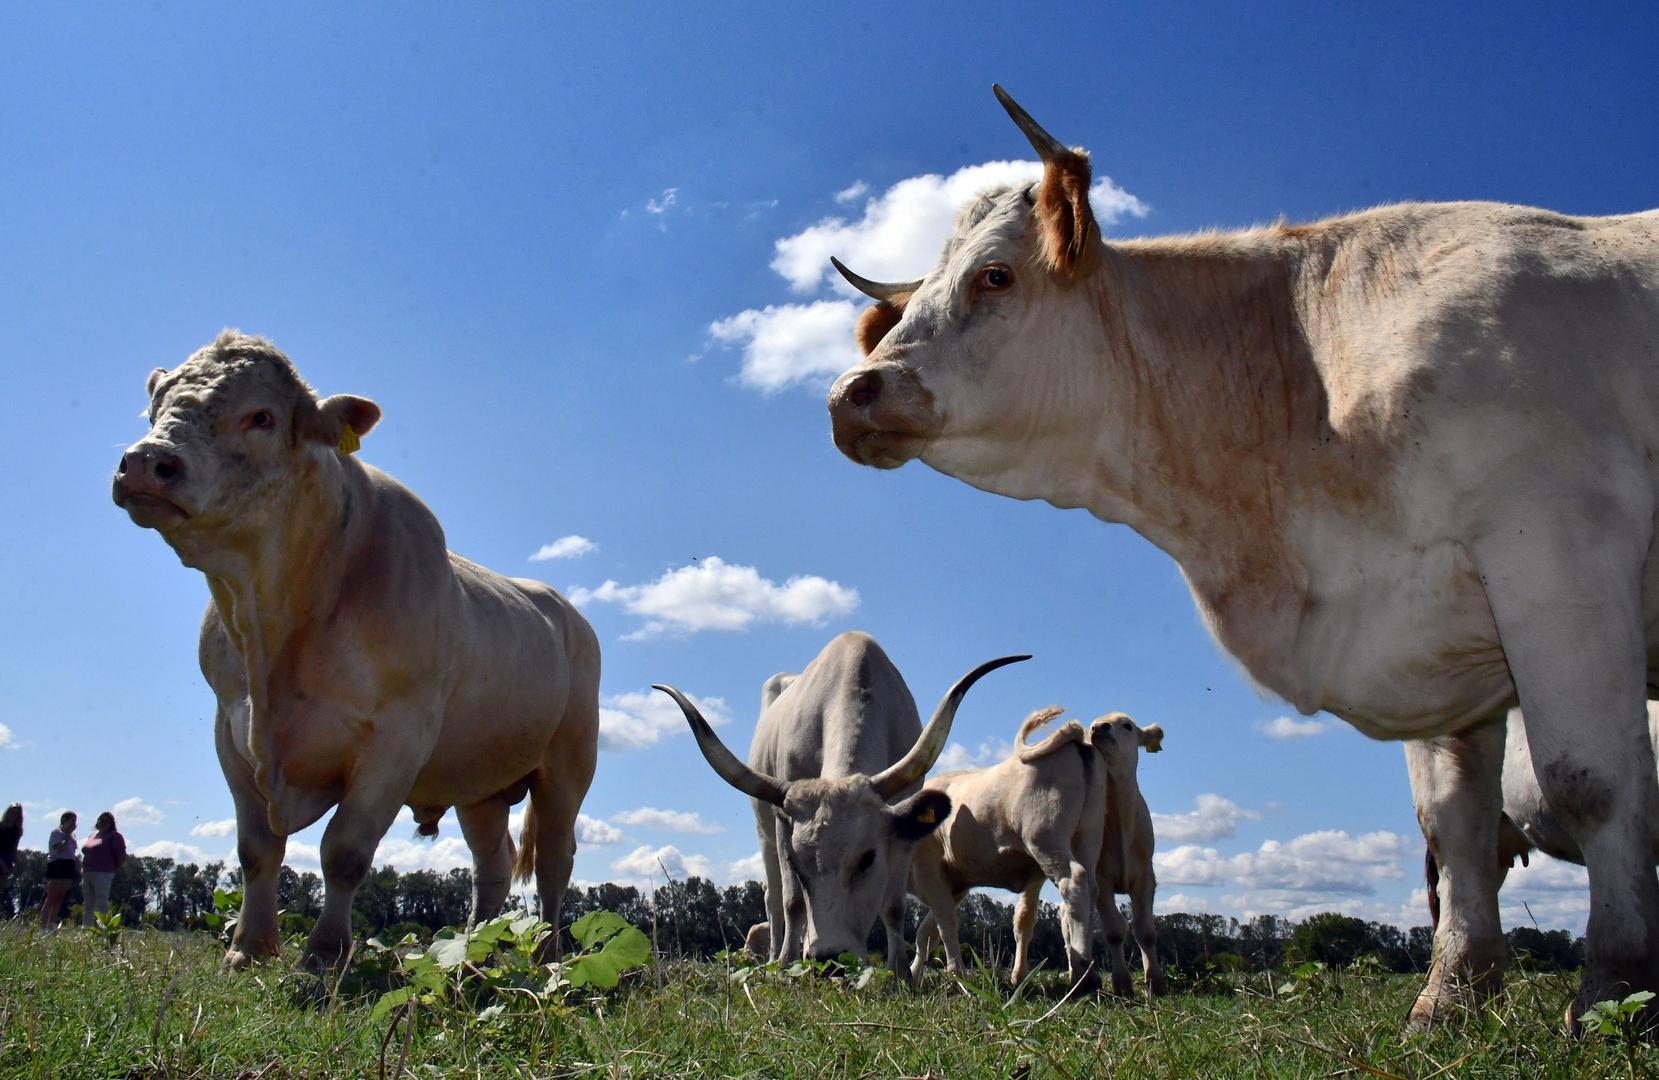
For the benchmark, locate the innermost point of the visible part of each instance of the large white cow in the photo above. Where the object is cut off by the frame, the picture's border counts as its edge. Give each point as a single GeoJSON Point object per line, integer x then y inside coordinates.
{"type": "Point", "coordinates": [1035, 816]}
{"type": "Point", "coordinates": [1408, 461]}
{"type": "Point", "coordinates": [832, 748]}
{"type": "Point", "coordinates": [358, 664]}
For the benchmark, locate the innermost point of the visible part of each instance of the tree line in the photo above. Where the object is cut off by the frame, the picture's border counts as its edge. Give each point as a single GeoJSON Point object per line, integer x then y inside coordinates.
{"type": "Point", "coordinates": [696, 919]}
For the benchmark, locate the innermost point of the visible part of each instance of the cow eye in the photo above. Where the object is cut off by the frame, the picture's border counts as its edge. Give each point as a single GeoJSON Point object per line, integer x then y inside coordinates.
{"type": "Point", "coordinates": [995, 278]}
{"type": "Point", "coordinates": [259, 421]}
{"type": "Point", "coordinates": [867, 860]}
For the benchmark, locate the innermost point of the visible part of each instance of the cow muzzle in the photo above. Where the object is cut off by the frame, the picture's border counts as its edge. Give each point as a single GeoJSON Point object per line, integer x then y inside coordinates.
{"type": "Point", "coordinates": [146, 485]}
{"type": "Point", "coordinates": [881, 415]}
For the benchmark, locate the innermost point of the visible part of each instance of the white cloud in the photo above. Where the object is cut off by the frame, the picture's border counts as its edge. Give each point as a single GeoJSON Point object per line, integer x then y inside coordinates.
{"type": "Point", "coordinates": [595, 832]}
{"type": "Point", "coordinates": [898, 237]}
{"type": "Point", "coordinates": [301, 854]}
{"type": "Point", "coordinates": [852, 192]}
{"type": "Point", "coordinates": [1213, 818]}
{"type": "Point", "coordinates": [640, 718]}
{"type": "Point", "coordinates": [226, 827]}
{"type": "Point", "coordinates": [904, 228]}
{"type": "Point", "coordinates": [680, 821]}
{"type": "Point", "coordinates": [661, 204]}
{"type": "Point", "coordinates": [565, 547]}
{"type": "Point", "coordinates": [135, 811]}
{"type": "Point", "coordinates": [752, 868]}
{"type": "Point", "coordinates": [1328, 861]}
{"type": "Point", "coordinates": [447, 853]}
{"type": "Point", "coordinates": [1288, 727]}
{"type": "Point", "coordinates": [645, 864]}
{"type": "Point", "coordinates": [784, 344]}
{"type": "Point", "coordinates": [172, 849]}
{"type": "Point", "coordinates": [716, 595]}
{"type": "Point", "coordinates": [7, 740]}
{"type": "Point", "coordinates": [957, 756]}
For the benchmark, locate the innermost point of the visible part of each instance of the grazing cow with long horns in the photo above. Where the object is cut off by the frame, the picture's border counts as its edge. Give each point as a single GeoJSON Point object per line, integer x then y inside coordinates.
{"type": "Point", "coordinates": [1407, 460]}
{"type": "Point", "coordinates": [358, 664]}
{"type": "Point", "coordinates": [833, 748]}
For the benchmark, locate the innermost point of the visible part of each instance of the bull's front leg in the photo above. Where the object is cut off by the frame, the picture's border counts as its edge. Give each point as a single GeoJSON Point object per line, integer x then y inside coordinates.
{"type": "Point", "coordinates": [1114, 930]}
{"type": "Point", "coordinates": [1568, 601]}
{"type": "Point", "coordinates": [484, 825]}
{"type": "Point", "coordinates": [1025, 926]}
{"type": "Point", "coordinates": [1456, 787]}
{"type": "Point", "coordinates": [1141, 893]}
{"type": "Point", "coordinates": [365, 812]}
{"type": "Point", "coordinates": [258, 850]}
{"type": "Point", "coordinates": [892, 921]}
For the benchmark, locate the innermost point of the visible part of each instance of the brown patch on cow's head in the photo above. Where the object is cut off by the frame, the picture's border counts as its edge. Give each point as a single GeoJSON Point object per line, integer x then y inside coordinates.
{"type": "Point", "coordinates": [1068, 228]}
{"type": "Point", "coordinates": [875, 323]}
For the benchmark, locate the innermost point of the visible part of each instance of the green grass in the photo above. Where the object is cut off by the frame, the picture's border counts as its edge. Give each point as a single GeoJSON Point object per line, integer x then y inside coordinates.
{"type": "Point", "coordinates": [159, 1005]}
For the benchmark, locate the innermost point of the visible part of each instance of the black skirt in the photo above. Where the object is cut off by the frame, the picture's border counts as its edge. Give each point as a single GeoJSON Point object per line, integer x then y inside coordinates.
{"type": "Point", "coordinates": [62, 870]}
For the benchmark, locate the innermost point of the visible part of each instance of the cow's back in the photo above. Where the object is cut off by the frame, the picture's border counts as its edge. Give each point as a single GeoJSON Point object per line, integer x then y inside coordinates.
{"type": "Point", "coordinates": [849, 711]}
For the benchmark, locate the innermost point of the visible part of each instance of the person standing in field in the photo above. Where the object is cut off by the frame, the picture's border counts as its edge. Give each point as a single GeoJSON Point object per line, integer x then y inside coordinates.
{"type": "Point", "coordinates": [101, 856]}
{"type": "Point", "coordinates": [11, 831]}
{"type": "Point", "coordinates": [63, 866]}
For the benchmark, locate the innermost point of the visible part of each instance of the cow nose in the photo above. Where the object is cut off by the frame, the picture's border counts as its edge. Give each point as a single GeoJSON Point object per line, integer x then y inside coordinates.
{"type": "Point", "coordinates": [149, 465]}
{"type": "Point", "coordinates": [863, 389]}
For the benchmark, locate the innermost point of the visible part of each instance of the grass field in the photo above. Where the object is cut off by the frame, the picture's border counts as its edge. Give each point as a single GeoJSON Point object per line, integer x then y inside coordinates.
{"type": "Point", "coordinates": [74, 1004]}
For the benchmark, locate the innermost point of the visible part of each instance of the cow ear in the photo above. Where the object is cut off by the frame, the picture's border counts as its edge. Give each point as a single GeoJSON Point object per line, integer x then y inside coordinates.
{"type": "Point", "coordinates": [1152, 737]}
{"type": "Point", "coordinates": [1069, 230]}
{"type": "Point", "coordinates": [155, 377]}
{"type": "Point", "coordinates": [341, 420]}
{"type": "Point", "coordinates": [875, 323]}
{"type": "Point", "coordinates": [919, 815]}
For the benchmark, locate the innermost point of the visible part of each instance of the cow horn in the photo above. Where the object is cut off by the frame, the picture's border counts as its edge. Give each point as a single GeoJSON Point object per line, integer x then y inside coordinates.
{"type": "Point", "coordinates": [756, 785]}
{"type": "Point", "coordinates": [1047, 146]}
{"type": "Point", "coordinates": [913, 766]}
{"type": "Point", "coordinates": [885, 291]}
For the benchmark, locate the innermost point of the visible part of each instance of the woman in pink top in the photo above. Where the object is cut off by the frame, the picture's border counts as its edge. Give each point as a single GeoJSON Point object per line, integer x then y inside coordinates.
{"type": "Point", "coordinates": [101, 856]}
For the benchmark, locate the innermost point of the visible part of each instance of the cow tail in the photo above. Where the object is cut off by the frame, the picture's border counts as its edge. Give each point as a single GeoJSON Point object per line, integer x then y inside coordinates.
{"type": "Point", "coordinates": [1070, 732]}
{"type": "Point", "coordinates": [525, 863]}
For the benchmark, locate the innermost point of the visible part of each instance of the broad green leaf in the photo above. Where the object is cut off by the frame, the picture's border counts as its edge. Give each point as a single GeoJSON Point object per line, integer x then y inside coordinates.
{"type": "Point", "coordinates": [596, 926]}
{"type": "Point", "coordinates": [628, 949]}
{"type": "Point", "coordinates": [390, 1000]}
{"type": "Point", "coordinates": [448, 953]}
{"type": "Point", "coordinates": [594, 969]}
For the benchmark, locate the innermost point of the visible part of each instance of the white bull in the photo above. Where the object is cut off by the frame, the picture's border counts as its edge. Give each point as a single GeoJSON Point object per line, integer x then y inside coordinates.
{"type": "Point", "coordinates": [1126, 847]}
{"type": "Point", "coordinates": [357, 663]}
{"type": "Point", "coordinates": [1035, 816]}
{"type": "Point", "coordinates": [1407, 460]}
{"type": "Point", "coordinates": [832, 748]}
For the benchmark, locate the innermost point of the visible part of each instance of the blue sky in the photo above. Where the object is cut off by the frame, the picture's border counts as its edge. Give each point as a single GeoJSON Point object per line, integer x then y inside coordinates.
{"type": "Point", "coordinates": [532, 235]}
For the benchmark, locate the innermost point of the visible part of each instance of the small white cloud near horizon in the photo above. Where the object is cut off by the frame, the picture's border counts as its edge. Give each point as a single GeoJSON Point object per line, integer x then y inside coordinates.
{"type": "Point", "coordinates": [645, 865]}
{"type": "Point", "coordinates": [957, 757]}
{"type": "Point", "coordinates": [716, 595]}
{"type": "Point", "coordinates": [1213, 818]}
{"type": "Point", "coordinates": [179, 853]}
{"type": "Point", "coordinates": [639, 718]}
{"type": "Point", "coordinates": [751, 868]}
{"type": "Point", "coordinates": [1329, 861]}
{"type": "Point", "coordinates": [135, 811]}
{"type": "Point", "coordinates": [680, 821]}
{"type": "Point", "coordinates": [8, 741]}
{"type": "Point", "coordinates": [227, 827]}
{"type": "Point", "coordinates": [1282, 728]}
{"type": "Point", "coordinates": [565, 547]}
{"type": "Point", "coordinates": [898, 238]}
{"type": "Point", "coordinates": [595, 832]}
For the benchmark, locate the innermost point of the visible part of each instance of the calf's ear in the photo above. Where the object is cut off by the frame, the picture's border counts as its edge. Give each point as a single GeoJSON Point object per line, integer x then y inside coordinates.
{"type": "Point", "coordinates": [155, 377]}
{"type": "Point", "coordinates": [341, 420]}
{"type": "Point", "coordinates": [919, 815]}
{"type": "Point", "coordinates": [1152, 737]}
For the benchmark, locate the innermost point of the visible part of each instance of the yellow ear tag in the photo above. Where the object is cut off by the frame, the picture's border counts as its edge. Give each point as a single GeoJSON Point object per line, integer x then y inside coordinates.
{"type": "Point", "coordinates": [927, 817]}
{"type": "Point", "coordinates": [349, 442]}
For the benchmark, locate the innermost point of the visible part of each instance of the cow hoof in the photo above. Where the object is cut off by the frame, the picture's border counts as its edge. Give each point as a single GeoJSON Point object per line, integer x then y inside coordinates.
{"type": "Point", "coordinates": [237, 960]}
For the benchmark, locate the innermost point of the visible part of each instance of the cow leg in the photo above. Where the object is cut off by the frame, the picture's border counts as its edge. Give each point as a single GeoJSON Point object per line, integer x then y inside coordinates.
{"type": "Point", "coordinates": [794, 910]}
{"type": "Point", "coordinates": [777, 927]}
{"type": "Point", "coordinates": [1075, 880]}
{"type": "Point", "coordinates": [1146, 933]}
{"type": "Point", "coordinates": [556, 794]}
{"type": "Point", "coordinates": [1114, 930]}
{"type": "Point", "coordinates": [1025, 925]}
{"type": "Point", "coordinates": [258, 850]}
{"type": "Point", "coordinates": [927, 884]}
{"type": "Point", "coordinates": [892, 920]}
{"type": "Point", "coordinates": [1575, 640]}
{"type": "Point", "coordinates": [484, 825]}
{"type": "Point", "coordinates": [1455, 784]}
